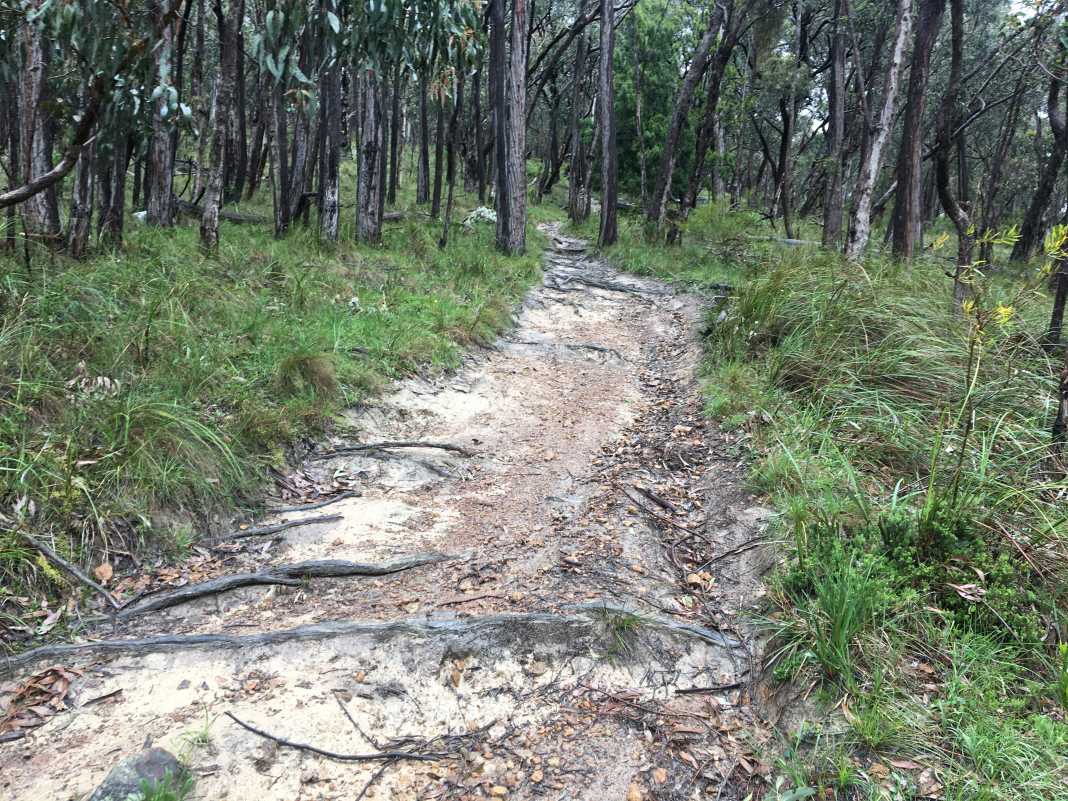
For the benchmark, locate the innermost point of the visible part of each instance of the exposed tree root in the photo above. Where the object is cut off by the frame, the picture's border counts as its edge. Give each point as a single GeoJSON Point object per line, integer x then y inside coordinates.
{"type": "Point", "coordinates": [276, 527]}
{"type": "Point", "coordinates": [560, 283]}
{"type": "Point", "coordinates": [570, 346]}
{"type": "Point", "coordinates": [386, 446]}
{"type": "Point", "coordinates": [566, 626]}
{"type": "Point", "coordinates": [307, 507]}
{"type": "Point", "coordinates": [388, 756]}
{"type": "Point", "coordinates": [286, 575]}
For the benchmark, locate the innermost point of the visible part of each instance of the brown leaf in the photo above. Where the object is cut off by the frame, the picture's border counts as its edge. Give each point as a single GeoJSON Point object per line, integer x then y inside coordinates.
{"type": "Point", "coordinates": [905, 764]}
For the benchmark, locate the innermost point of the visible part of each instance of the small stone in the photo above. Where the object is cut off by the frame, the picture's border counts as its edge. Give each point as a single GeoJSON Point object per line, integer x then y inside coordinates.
{"type": "Point", "coordinates": [153, 768]}
{"type": "Point", "coordinates": [634, 792]}
{"type": "Point", "coordinates": [659, 775]}
{"type": "Point", "coordinates": [498, 791]}
{"type": "Point", "coordinates": [537, 776]}
{"type": "Point", "coordinates": [554, 762]}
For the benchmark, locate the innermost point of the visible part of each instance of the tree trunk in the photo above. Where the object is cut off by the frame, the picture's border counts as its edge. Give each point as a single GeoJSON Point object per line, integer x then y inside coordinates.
{"type": "Point", "coordinates": [510, 119]}
{"type": "Point", "coordinates": [948, 120]}
{"type": "Point", "coordinates": [280, 148]}
{"type": "Point", "coordinates": [227, 21]}
{"type": "Point", "coordinates": [832, 197]}
{"type": "Point", "coordinates": [422, 181]}
{"type": "Point", "coordinates": [439, 158]}
{"type": "Point", "coordinates": [113, 193]}
{"type": "Point", "coordinates": [454, 127]}
{"type": "Point", "coordinates": [476, 116]}
{"type": "Point", "coordinates": [331, 144]}
{"type": "Point", "coordinates": [1032, 231]}
{"type": "Point", "coordinates": [239, 114]}
{"type": "Point", "coordinates": [161, 210]}
{"type": "Point", "coordinates": [40, 212]}
{"type": "Point", "coordinates": [908, 202]}
{"type": "Point", "coordinates": [575, 204]}
{"type": "Point", "coordinates": [732, 30]}
{"type": "Point", "coordinates": [639, 128]}
{"type": "Point", "coordinates": [657, 208]}
{"type": "Point", "coordinates": [609, 231]}
{"type": "Point", "coordinates": [860, 223]}
{"type": "Point", "coordinates": [369, 183]}
{"type": "Point", "coordinates": [258, 151]}
{"type": "Point", "coordinates": [81, 204]}
{"type": "Point", "coordinates": [395, 122]}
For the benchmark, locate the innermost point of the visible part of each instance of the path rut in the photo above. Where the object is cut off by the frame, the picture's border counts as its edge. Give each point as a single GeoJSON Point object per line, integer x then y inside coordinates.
{"type": "Point", "coordinates": [579, 638]}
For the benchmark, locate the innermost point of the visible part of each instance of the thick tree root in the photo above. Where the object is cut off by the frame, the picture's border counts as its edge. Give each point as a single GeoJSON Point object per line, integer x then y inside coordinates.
{"type": "Point", "coordinates": [567, 628]}
{"type": "Point", "coordinates": [388, 446]}
{"type": "Point", "coordinates": [285, 575]}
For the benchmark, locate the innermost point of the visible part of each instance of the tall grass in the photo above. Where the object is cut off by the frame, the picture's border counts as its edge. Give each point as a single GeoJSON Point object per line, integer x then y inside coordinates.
{"type": "Point", "coordinates": [906, 446]}
{"type": "Point", "coordinates": [154, 380]}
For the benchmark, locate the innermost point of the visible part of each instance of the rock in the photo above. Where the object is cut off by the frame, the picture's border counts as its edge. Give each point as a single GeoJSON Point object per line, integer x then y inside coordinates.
{"type": "Point", "coordinates": [634, 792]}
{"type": "Point", "coordinates": [124, 783]}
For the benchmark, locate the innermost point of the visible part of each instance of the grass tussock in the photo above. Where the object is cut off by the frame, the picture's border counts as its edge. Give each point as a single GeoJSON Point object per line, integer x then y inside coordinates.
{"type": "Point", "coordinates": [155, 379]}
{"type": "Point", "coordinates": [906, 448]}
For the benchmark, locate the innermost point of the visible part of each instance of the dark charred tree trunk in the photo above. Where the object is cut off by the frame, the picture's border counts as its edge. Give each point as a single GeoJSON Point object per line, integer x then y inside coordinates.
{"type": "Point", "coordinates": [609, 231]}
{"type": "Point", "coordinates": [240, 117]}
{"type": "Point", "coordinates": [439, 158]}
{"type": "Point", "coordinates": [81, 204]}
{"type": "Point", "coordinates": [259, 149]}
{"type": "Point", "coordinates": [422, 180]}
{"type": "Point", "coordinates": [369, 194]}
{"type": "Point", "coordinates": [476, 117]}
{"type": "Point", "coordinates": [396, 120]}
{"type": "Point", "coordinates": [948, 120]}
{"type": "Point", "coordinates": [112, 191]}
{"type": "Point", "coordinates": [1032, 230]}
{"type": "Point", "coordinates": [908, 202]}
{"type": "Point", "coordinates": [280, 148]}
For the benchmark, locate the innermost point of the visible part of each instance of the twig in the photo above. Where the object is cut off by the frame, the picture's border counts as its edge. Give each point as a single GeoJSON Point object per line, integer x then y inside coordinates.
{"type": "Point", "coordinates": [386, 446]}
{"type": "Point", "coordinates": [285, 575]}
{"type": "Point", "coordinates": [748, 545]}
{"type": "Point", "coordinates": [656, 515]}
{"type": "Point", "coordinates": [307, 507]}
{"type": "Point", "coordinates": [374, 777]}
{"type": "Point", "coordinates": [60, 562]}
{"type": "Point", "coordinates": [389, 756]}
{"type": "Point", "coordinates": [276, 527]}
{"type": "Point", "coordinates": [720, 688]}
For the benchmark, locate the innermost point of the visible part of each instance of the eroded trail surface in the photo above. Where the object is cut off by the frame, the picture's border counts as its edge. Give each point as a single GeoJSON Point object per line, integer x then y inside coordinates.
{"type": "Point", "coordinates": [558, 618]}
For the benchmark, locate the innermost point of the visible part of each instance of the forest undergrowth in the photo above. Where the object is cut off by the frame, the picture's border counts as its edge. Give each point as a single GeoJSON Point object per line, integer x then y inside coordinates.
{"type": "Point", "coordinates": [906, 449]}
{"type": "Point", "coordinates": [142, 392]}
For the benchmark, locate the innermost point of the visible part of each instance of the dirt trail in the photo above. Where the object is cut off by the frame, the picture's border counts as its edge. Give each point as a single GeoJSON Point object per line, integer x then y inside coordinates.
{"type": "Point", "coordinates": [572, 633]}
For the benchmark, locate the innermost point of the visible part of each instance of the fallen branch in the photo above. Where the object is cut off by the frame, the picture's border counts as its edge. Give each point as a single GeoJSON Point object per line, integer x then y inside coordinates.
{"type": "Point", "coordinates": [284, 575]}
{"type": "Point", "coordinates": [276, 527]}
{"type": "Point", "coordinates": [389, 756]}
{"type": "Point", "coordinates": [73, 570]}
{"type": "Point", "coordinates": [344, 496]}
{"type": "Point", "coordinates": [656, 515]}
{"type": "Point", "coordinates": [387, 446]}
{"type": "Point", "coordinates": [192, 209]}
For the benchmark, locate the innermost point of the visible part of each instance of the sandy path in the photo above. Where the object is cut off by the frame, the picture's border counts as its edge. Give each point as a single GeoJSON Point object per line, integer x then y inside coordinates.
{"type": "Point", "coordinates": [553, 652]}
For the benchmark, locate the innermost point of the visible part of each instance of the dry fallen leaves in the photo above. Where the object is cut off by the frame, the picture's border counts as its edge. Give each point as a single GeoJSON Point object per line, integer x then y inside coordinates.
{"type": "Point", "coordinates": [31, 704]}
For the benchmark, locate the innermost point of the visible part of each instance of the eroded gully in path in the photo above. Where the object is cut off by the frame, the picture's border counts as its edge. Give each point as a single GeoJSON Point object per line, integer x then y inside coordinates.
{"type": "Point", "coordinates": [572, 632]}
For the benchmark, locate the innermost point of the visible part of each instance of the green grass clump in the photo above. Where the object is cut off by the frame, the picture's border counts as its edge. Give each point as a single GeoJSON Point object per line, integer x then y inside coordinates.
{"type": "Point", "coordinates": [155, 379]}
{"type": "Point", "coordinates": [906, 447]}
